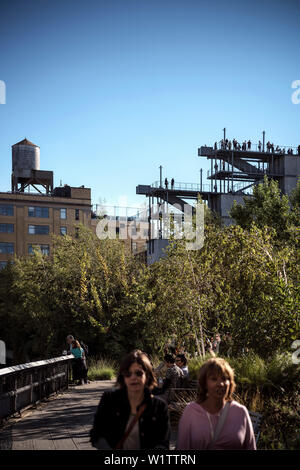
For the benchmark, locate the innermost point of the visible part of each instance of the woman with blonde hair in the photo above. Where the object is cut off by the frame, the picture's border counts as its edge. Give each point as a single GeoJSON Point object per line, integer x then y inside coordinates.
{"type": "Point", "coordinates": [215, 420]}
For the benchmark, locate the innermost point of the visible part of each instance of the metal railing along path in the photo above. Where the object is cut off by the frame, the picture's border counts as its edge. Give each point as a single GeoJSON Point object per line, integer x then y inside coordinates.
{"type": "Point", "coordinates": [26, 384]}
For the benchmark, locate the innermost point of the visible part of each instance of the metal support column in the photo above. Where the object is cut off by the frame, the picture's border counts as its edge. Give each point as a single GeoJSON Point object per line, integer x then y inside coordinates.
{"type": "Point", "coordinates": [232, 173]}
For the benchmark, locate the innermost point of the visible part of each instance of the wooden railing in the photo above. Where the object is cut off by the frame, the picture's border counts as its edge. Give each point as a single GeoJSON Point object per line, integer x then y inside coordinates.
{"type": "Point", "coordinates": [26, 384]}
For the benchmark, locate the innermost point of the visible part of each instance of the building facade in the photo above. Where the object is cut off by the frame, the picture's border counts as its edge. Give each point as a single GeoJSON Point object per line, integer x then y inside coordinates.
{"type": "Point", "coordinates": [30, 219]}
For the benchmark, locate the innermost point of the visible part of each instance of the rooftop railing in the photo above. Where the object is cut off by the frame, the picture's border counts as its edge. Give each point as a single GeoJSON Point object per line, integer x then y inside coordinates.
{"type": "Point", "coordinates": [119, 212]}
{"type": "Point", "coordinates": [182, 186]}
{"type": "Point", "coordinates": [251, 171]}
{"type": "Point", "coordinates": [256, 147]}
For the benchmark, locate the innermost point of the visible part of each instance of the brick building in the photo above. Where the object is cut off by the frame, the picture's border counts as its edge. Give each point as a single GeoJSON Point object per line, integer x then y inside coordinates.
{"type": "Point", "coordinates": [29, 219]}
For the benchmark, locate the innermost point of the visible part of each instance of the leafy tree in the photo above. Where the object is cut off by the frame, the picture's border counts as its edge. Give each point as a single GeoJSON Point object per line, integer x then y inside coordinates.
{"type": "Point", "coordinates": [80, 290]}
{"type": "Point", "coordinates": [241, 281]}
{"type": "Point", "coordinates": [295, 203]}
{"type": "Point", "coordinates": [238, 282]}
{"type": "Point", "coordinates": [267, 207]}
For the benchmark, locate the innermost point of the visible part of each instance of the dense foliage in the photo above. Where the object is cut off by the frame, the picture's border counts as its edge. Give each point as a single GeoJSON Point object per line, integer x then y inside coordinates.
{"type": "Point", "coordinates": [245, 280]}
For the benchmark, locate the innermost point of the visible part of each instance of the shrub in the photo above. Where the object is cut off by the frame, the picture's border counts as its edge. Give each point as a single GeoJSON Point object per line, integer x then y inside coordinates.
{"type": "Point", "coordinates": [250, 371]}
{"type": "Point", "coordinates": [194, 365]}
{"type": "Point", "coordinates": [283, 373]}
{"type": "Point", "coordinates": [101, 369]}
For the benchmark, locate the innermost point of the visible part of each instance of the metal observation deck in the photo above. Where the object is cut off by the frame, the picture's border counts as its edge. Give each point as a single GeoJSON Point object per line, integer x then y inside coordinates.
{"type": "Point", "coordinates": [176, 194]}
{"type": "Point", "coordinates": [235, 169]}
{"type": "Point", "coordinates": [247, 166]}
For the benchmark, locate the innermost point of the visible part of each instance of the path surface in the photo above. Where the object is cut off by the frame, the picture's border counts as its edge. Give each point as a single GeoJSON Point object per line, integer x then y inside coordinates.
{"type": "Point", "coordinates": [61, 423]}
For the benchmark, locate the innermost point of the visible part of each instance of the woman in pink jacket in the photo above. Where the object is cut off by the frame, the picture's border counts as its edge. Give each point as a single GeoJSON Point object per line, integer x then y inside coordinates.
{"type": "Point", "coordinates": [215, 421]}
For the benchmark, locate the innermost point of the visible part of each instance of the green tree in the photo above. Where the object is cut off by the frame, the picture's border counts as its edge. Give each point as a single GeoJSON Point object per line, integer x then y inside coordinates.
{"type": "Point", "coordinates": [241, 281]}
{"type": "Point", "coordinates": [295, 203]}
{"type": "Point", "coordinates": [82, 289]}
{"type": "Point", "coordinates": [267, 207]}
{"type": "Point", "coordinates": [238, 282]}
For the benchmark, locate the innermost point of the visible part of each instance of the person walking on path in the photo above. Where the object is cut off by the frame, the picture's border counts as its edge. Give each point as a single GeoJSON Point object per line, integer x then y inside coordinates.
{"type": "Point", "coordinates": [215, 421]}
{"type": "Point", "coordinates": [181, 361]}
{"type": "Point", "coordinates": [216, 343]}
{"type": "Point", "coordinates": [130, 417]}
{"type": "Point", "coordinates": [173, 378]}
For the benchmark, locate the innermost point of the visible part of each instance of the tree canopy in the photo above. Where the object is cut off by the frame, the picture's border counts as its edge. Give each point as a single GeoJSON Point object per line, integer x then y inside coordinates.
{"type": "Point", "coordinates": [245, 281]}
{"type": "Point", "coordinates": [269, 207]}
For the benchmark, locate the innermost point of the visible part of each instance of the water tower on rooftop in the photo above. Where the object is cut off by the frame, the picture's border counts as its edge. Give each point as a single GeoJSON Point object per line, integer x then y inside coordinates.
{"type": "Point", "coordinates": [26, 168]}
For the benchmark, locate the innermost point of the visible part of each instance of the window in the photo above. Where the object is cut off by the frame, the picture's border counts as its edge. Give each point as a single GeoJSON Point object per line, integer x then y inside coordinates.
{"type": "Point", "coordinates": [7, 248]}
{"type": "Point", "coordinates": [2, 264]}
{"type": "Point", "coordinates": [45, 249]}
{"type": "Point", "coordinates": [6, 228]}
{"type": "Point", "coordinates": [63, 230]}
{"type": "Point", "coordinates": [76, 232]}
{"type": "Point", "coordinates": [5, 209]}
{"type": "Point", "coordinates": [38, 229]}
{"type": "Point", "coordinates": [63, 213]}
{"type": "Point", "coordinates": [76, 214]}
{"type": "Point", "coordinates": [38, 212]}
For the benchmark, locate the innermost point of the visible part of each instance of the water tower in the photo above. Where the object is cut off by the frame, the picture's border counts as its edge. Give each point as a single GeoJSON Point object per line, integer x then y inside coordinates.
{"type": "Point", "coordinates": [26, 168]}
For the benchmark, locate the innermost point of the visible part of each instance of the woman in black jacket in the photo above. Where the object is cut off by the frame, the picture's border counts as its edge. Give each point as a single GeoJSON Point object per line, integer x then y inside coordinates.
{"type": "Point", "coordinates": [132, 408]}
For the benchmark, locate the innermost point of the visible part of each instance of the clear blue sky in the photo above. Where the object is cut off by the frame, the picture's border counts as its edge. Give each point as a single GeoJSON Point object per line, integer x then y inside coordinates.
{"type": "Point", "coordinates": [112, 89]}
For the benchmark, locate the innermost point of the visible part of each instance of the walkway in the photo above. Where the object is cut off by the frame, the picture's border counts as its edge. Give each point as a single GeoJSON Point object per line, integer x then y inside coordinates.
{"type": "Point", "coordinates": [63, 422]}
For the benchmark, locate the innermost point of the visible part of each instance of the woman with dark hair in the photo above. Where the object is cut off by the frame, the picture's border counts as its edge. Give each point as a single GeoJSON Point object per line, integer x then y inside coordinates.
{"type": "Point", "coordinates": [130, 417]}
{"type": "Point", "coordinates": [214, 420]}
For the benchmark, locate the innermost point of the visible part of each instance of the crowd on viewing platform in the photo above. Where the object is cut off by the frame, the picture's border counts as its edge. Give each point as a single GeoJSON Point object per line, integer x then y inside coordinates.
{"type": "Point", "coordinates": [226, 144]}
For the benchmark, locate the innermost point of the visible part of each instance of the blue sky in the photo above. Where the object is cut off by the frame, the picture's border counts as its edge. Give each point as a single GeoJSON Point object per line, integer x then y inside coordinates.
{"type": "Point", "coordinates": [110, 90]}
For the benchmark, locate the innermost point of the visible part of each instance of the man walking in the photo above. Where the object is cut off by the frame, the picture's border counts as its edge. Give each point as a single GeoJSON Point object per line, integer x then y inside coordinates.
{"type": "Point", "coordinates": [173, 376]}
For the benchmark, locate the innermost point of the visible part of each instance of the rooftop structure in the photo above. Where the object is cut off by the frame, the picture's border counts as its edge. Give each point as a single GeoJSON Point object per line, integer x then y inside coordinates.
{"type": "Point", "coordinates": [235, 169]}
{"type": "Point", "coordinates": [33, 211]}
{"type": "Point", "coordinates": [26, 169]}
